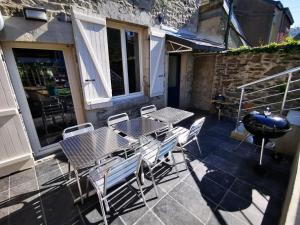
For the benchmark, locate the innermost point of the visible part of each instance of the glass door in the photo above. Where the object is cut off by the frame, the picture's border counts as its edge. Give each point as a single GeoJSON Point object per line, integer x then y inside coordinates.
{"type": "Point", "coordinates": [45, 82]}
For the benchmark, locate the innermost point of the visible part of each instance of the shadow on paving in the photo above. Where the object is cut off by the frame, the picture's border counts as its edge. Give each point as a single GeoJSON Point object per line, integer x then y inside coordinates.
{"type": "Point", "coordinates": [219, 187]}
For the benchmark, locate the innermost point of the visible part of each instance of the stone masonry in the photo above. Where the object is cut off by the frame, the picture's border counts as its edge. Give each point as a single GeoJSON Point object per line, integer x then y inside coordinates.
{"type": "Point", "coordinates": [176, 13]}
{"type": "Point", "coordinates": [231, 71]}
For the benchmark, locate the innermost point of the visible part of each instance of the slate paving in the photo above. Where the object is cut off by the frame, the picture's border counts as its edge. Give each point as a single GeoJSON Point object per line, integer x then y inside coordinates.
{"type": "Point", "coordinates": [219, 187]}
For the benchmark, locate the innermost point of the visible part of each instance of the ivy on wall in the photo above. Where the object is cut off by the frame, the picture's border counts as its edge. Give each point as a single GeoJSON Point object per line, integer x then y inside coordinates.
{"type": "Point", "coordinates": [289, 45]}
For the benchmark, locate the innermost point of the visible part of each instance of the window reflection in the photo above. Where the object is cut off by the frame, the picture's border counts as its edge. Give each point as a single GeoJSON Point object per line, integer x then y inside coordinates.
{"type": "Point", "coordinates": [132, 46]}
{"type": "Point", "coordinates": [46, 86]}
{"type": "Point", "coordinates": [115, 61]}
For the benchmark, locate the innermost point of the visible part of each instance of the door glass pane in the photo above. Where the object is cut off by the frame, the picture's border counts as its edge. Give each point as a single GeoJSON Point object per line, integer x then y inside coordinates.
{"type": "Point", "coordinates": [132, 46]}
{"type": "Point", "coordinates": [45, 81]}
{"type": "Point", "coordinates": [115, 61]}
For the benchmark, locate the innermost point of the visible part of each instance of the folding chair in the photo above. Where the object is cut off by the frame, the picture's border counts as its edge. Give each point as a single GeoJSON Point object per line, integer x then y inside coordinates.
{"type": "Point", "coordinates": [145, 113]}
{"type": "Point", "coordinates": [76, 130]}
{"type": "Point", "coordinates": [146, 110]}
{"type": "Point", "coordinates": [118, 118]}
{"type": "Point", "coordinates": [112, 173]}
{"type": "Point", "coordinates": [186, 136]}
{"type": "Point", "coordinates": [154, 154]}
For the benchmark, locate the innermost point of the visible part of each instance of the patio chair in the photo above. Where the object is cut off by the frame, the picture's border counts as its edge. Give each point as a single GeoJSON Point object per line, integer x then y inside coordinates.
{"type": "Point", "coordinates": [76, 130]}
{"type": "Point", "coordinates": [52, 109]}
{"type": "Point", "coordinates": [118, 118]}
{"type": "Point", "coordinates": [146, 110]}
{"type": "Point", "coordinates": [154, 154]}
{"type": "Point", "coordinates": [186, 136]}
{"type": "Point", "coordinates": [145, 113]}
{"type": "Point", "coordinates": [114, 172]}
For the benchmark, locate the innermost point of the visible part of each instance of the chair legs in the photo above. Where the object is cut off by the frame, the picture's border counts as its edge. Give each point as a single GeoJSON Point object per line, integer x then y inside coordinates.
{"type": "Point", "coordinates": [69, 169]}
{"type": "Point", "coordinates": [79, 186]}
{"type": "Point", "coordinates": [196, 138]}
{"type": "Point", "coordinates": [184, 159]}
{"type": "Point", "coordinates": [174, 164]}
{"type": "Point", "coordinates": [106, 205]}
{"type": "Point", "coordinates": [153, 181]}
{"type": "Point", "coordinates": [140, 187]}
{"type": "Point", "coordinates": [102, 209]}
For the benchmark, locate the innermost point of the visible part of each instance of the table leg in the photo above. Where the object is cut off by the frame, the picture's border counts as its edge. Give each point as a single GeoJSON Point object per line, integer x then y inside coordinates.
{"type": "Point", "coordinates": [79, 186]}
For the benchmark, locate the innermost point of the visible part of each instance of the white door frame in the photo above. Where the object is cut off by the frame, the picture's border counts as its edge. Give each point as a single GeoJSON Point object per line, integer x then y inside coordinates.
{"type": "Point", "coordinates": [73, 77]}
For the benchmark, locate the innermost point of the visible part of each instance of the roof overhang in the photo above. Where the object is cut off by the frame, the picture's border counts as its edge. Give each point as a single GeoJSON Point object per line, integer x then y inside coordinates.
{"type": "Point", "coordinates": [194, 44]}
{"type": "Point", "coordinates": [175, 47]}
{"type": "Point", "coordinates": [186, 42]}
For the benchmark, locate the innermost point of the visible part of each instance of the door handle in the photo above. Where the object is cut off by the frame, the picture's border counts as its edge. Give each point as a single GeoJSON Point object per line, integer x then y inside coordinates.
{"type": "Point", "coordinates": [88, 80]}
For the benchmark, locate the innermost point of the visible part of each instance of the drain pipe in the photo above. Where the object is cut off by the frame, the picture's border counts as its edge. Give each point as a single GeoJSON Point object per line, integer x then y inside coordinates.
{"type": "Point", "coordinates": [230, 6]}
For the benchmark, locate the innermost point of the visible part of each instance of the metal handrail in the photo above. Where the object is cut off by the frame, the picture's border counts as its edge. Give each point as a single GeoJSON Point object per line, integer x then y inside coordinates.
{"type": "Point", "coordinates": [268, 96]}
{"type": "Point", "coordinates": [271, 77]}
{"type": "Point", "coordinates": [287, 73]}
{"type": "Point", "coordinates": [266, 88]}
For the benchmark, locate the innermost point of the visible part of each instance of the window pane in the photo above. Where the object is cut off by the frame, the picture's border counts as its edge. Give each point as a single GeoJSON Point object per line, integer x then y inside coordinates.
{"type": "Point", "coordinates": [132, 46]}
{"type": "Point", "coordinates": [44, 77]}
{"type": "Point", "coordinates": [115, 61]}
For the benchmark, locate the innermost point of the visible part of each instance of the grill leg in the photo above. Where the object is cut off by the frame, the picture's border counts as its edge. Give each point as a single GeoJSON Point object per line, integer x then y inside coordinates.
{"type": "Point", "coordinates": [261, 151]}
{"type": "Point", "coordinates": [259, 168]}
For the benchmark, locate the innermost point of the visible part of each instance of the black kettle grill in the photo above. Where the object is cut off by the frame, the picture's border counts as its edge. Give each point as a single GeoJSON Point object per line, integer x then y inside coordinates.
{"type": "Point", "coordinates": [266, 125]}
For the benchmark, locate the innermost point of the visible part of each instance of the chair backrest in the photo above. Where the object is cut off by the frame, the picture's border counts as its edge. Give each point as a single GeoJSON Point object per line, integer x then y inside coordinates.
{"type": "Point", "coordinates": [52, 107]}
{"type": "Point", "coordinates": [121, 171]}
{"type": "Point", "coordinates": [166, 146]}
{"type": "Point", "coordinates": [118, 118]}
{"type": "Point", "coordinates": [147, 109]}
{"type": "Point", "coordinates": [76, 130]}
{"type": "Point", "coordinates": [196, 127]}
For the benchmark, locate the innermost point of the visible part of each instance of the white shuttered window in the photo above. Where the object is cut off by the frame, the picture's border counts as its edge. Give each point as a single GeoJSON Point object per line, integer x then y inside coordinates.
{"type": "Point", "coordinates": [157, 62]}
{"type": "Point", "coordinates": [92, 53]}
{"type": "Point", "coordinates": [124, 47]}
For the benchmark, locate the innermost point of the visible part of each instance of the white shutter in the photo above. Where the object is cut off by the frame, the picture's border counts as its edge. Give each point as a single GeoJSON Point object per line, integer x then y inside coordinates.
{"type": "Point", "coordinates": [92, 54]}
{"type": "Point", "coordinates": [15, 150]}
{"type": "Point", "coordinates": [157, 62]}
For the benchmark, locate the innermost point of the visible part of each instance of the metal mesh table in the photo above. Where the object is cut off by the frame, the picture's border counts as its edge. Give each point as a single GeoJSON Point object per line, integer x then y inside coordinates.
{"type": "Point", "coordinates": [83, 150]}
{"type": "Point", "coordinates": [139, 127]}
{"type": "Point", "coordinates": [171, 115]}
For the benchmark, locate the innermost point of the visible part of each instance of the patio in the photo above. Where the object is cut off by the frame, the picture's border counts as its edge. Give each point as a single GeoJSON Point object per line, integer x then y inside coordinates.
{"type": "Point", "coordinates": [220, 187]}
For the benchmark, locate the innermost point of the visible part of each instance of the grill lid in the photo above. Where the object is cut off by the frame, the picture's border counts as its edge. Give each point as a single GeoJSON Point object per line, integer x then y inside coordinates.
{"type": "Point", "coordinates": [266, 124]}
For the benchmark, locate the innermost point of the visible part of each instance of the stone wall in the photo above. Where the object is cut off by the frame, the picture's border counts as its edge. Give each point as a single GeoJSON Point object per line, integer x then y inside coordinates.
{"type": "Point", "coordinates": [175, 13]}
{"type": "Point", "coordinates": [204, 71]}
{"type": "Point", "coordinates": [228, 72]}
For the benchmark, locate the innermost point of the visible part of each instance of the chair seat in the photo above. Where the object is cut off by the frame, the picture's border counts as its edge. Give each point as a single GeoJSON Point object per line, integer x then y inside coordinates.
{"type": "Point", "coordinates": [182, 134]}
{"type": "Point", "coordinates": [97, 175]}
{"type": "Point", "coordinates": [149, 151]}
{"type": "Point", "coordinates": [131, 139]}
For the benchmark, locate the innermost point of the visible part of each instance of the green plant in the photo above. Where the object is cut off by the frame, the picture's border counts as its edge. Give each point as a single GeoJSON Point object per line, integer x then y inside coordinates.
{"type": "Point", "coordinates": [289, 45]}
